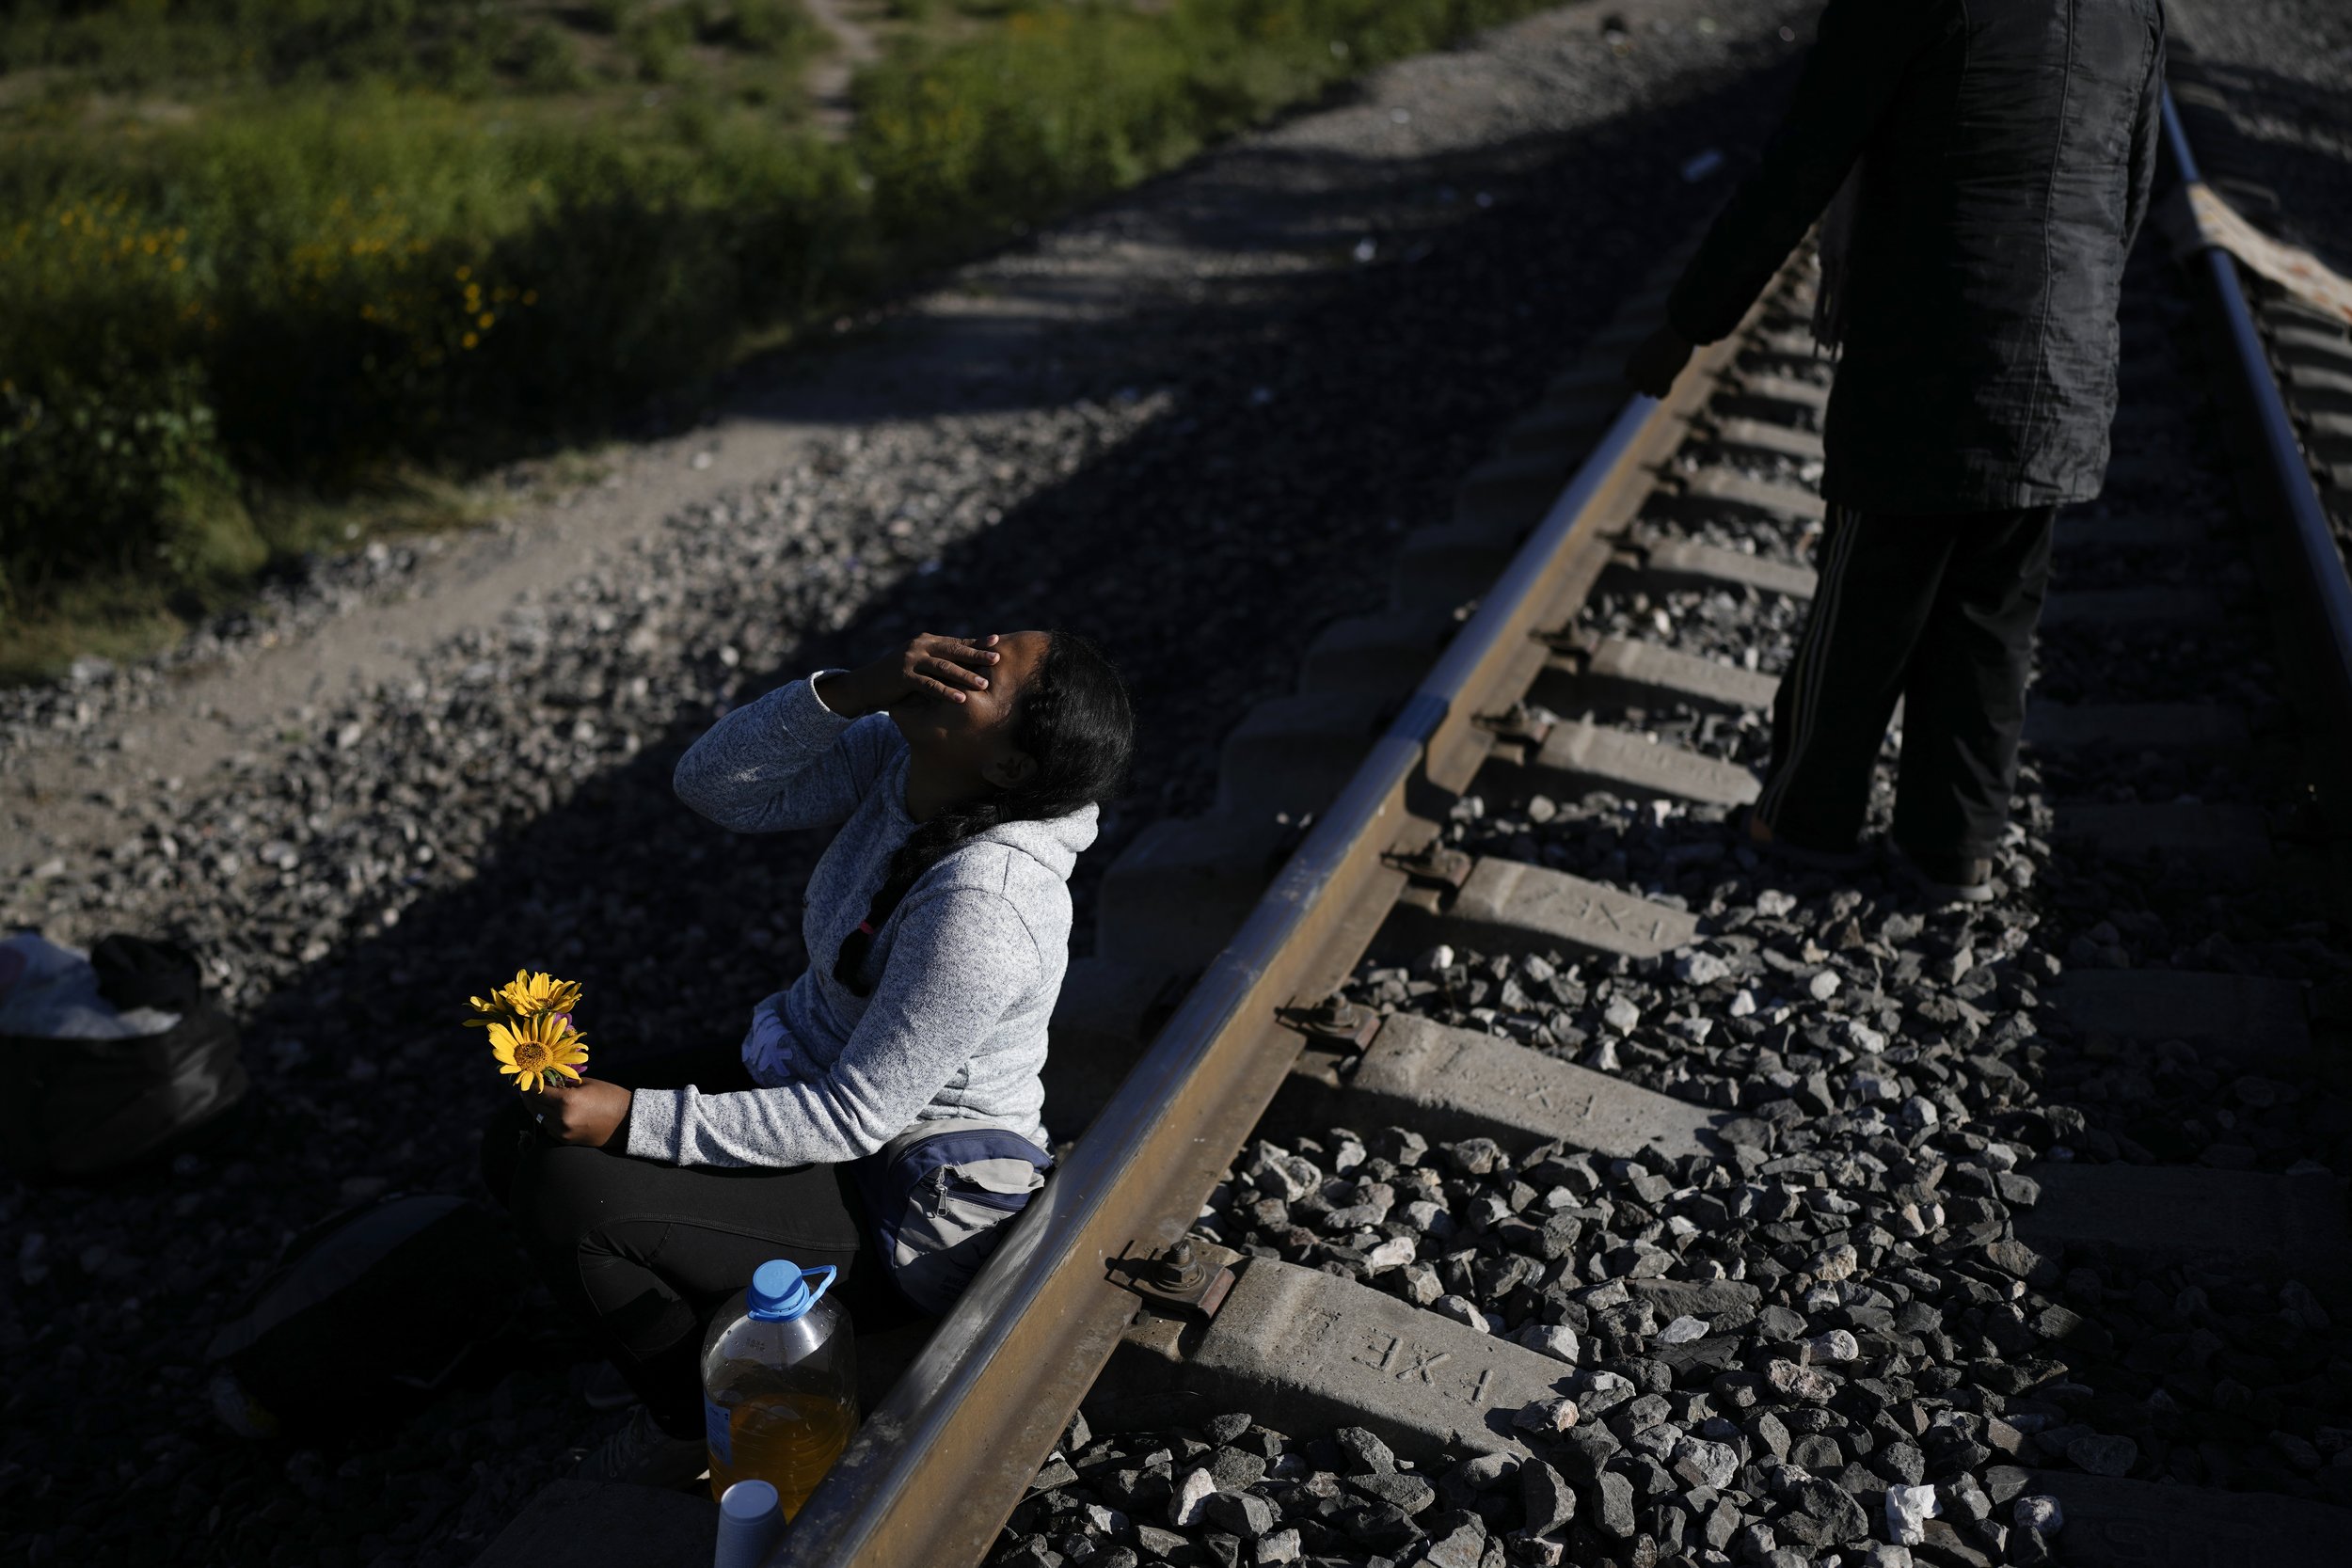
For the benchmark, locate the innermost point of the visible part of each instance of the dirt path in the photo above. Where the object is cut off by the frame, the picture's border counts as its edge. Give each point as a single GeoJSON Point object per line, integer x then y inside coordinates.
{"type": "Point", "coordinates": [829, 81]}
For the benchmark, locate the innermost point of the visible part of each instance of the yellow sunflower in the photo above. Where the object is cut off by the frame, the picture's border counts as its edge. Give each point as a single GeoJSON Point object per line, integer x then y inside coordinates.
{"type": "Point", "coordinates": [540, 1047]}
{"type": "Point", "coordinates": [527, 996]}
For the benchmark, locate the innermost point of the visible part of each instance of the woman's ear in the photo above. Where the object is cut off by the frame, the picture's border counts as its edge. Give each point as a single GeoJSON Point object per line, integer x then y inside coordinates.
{"type": "Point", "coordinates": [1009, 768]}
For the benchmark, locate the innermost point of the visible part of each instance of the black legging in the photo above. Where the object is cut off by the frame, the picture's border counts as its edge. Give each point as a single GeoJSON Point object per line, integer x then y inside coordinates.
{"type": "Point", "coordinates": [644, 1252]}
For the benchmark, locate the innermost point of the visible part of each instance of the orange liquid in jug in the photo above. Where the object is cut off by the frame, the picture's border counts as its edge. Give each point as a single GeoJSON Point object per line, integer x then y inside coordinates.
{"type": "Point", "coordinates": [787, 1440]}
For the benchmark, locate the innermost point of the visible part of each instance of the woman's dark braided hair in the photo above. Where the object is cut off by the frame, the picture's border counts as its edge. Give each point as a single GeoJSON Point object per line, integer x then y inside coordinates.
{"type": "Point", "coordinates": [1073, 719]}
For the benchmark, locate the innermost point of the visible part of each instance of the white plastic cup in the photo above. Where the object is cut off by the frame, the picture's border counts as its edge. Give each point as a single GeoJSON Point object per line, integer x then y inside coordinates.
{"type": "Point", "coordinates": [750, 1521]}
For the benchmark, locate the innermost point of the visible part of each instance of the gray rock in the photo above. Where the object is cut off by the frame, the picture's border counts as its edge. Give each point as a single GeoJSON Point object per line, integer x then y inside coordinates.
{"type": "Point", "coordinates": [1462, 1311]}
{"type": "Point", "coordinates": [1549, 1502]}
{"type": "Point", "coordinates": [1817, 1451]}
{"type": "Point", "coordinates": [1603, 1392]}
{"type": "Point", "coordinates": [1408, 1493]}
{"type": "Point", "coordinates": [1226, 1428]}
{"type": "Point", "coordinates": [1462, 1546]}
{"type": "Point", "coordinates": [2037, 1511]}
{"type": "Point", "coordinates": [1158, 1543]}
{"type": "Point", "coordinates": [1700, 1463]}
{"type": "Point", "coordinates": [1547, 1418]}
{"type": "Point", "coordinates": [1697, 1298]}
{"type": "Point", "coordinates": [1582, 1453]}
{"type": "Point", "coordinates": [1236, 1469]}
{"type": "Point", "coordinates": [1700, 968]}
{"type": "Point", "coordinates": [2104, 1455]}
{"type": "Point", "coordinates": [1719, 1524]}
{"type": "Point", "coordinates": [1241, 1513]}
{"type": "Point", "coordinates": [1900, 1463]}
{"type": "Point", "coordinates": [1964, 1500]}
{"type": "Point", "coordinates": [1366, 1454]}
{"type": "Point", "coordinates": [1612, 1505]}
{"type": "Point", "coordinates": [1557, 1340]}
{"type": "Point", "coordinates": [1192, 1492]}
{"type": "Point", "coordinates": [1823, 1514]}
{"type": "Point", "coordinates": [1382, 1527]}
{"type": "Point", "coordinates": [1800, 1382]}
{"type": "Point", "coordinates": [2013, 1258]}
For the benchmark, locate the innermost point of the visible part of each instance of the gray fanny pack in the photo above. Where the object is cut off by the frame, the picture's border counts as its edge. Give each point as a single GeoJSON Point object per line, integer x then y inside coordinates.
{"type": "Point", "coordinates": [937, 1196]}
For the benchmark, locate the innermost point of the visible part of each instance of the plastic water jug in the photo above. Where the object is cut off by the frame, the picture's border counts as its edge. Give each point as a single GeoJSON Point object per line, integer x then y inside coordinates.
{"type": "Point", "coordinates": [779, 1384]}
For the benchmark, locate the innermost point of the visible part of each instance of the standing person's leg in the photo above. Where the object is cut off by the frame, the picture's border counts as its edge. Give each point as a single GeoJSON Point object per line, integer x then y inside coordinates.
{"type": "Point", "coordinates": [1877, 580]}
{"type": "Point", "coordinates": [1964, 706]}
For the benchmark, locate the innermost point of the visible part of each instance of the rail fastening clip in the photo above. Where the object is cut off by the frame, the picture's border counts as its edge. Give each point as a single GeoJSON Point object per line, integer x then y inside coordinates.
{"type": "Point", "coordinates": [1176, 1281]}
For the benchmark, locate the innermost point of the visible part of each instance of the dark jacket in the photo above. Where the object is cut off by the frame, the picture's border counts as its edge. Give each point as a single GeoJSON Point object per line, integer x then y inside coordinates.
{"type": "Point", "coordinates": [2007, 149]}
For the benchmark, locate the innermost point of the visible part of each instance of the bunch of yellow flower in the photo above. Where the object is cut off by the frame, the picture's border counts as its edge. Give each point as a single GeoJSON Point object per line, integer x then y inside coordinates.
{"type": "Point", "coordinates": [530, 1019]}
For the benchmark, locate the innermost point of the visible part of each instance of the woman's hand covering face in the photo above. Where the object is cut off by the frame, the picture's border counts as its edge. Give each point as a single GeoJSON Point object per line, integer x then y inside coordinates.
{"type": "Point", "coordinates": [929, 667]}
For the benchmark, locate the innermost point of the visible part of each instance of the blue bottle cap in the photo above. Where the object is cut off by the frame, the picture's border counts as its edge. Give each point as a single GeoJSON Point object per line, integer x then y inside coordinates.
{"type": "Point", "coordinates": [751, 1501]}
{"type": "Point", "coordinates": [780, 1291]}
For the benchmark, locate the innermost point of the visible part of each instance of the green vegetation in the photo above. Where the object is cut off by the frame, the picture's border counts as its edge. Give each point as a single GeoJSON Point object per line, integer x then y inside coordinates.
{"type": "Point", "coordinates": [263, 257]}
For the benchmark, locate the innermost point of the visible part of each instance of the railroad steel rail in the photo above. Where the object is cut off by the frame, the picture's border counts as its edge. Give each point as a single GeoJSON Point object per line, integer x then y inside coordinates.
{"type": "Point", "coordinates": [2277, 484]}
{"type": "Point", "coordinates": [938, 1464]}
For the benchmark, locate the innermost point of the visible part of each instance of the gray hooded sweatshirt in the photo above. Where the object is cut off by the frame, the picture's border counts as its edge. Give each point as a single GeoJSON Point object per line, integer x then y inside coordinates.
{"type": "Point", "coordinates": [964, 975]}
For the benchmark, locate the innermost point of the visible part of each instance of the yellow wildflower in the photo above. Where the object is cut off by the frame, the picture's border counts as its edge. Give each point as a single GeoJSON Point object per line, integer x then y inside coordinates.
{"type": "Point", "coordinates": [538, 1049]}
{"type": "Point", "coordinates": [527, 996]}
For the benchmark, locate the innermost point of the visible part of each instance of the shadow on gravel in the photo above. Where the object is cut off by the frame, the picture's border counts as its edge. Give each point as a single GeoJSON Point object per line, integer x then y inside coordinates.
{"type": "Point", "coordinates": [1304, 429]}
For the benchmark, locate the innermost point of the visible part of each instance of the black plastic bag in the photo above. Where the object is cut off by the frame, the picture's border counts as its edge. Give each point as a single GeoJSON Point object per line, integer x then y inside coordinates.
{"type": "Point", "coordinates": [367, 1313]}
{"type": "Point", "coordinates": [84, 1107]}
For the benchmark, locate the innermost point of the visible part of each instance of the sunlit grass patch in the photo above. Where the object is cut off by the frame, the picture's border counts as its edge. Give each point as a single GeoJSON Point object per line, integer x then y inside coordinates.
{"type": "Point", "coordinates": [262, 278]}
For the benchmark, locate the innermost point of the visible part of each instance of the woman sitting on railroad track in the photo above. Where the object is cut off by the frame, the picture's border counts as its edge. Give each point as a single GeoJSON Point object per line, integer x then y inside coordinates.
{"type": "Point", "coordinates": [881, 1115]}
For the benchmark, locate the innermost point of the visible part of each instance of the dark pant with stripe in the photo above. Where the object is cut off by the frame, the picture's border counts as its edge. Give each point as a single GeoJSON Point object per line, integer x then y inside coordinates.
{"type": "Point", "coordinates": [641, 1253]}
{"type": "Point", "coordinates": [1938, 611]}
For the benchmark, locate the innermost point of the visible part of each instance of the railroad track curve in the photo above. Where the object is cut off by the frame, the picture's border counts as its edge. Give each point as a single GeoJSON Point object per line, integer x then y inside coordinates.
{"type": "Point", "coordinates": [1477, 1127]}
